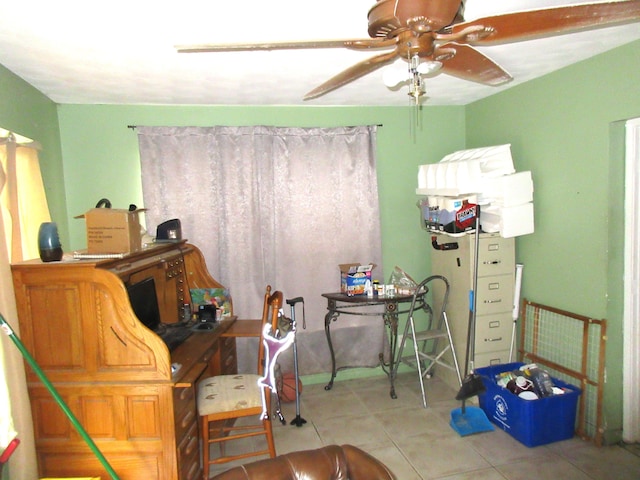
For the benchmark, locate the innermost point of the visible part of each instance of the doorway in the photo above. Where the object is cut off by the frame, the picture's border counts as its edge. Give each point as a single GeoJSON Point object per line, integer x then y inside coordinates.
{"type": "Point", "coordinates": [631, 326]}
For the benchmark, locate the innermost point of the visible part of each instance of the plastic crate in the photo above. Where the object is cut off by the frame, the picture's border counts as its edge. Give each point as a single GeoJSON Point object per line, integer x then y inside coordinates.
{"type": "Point", "coordinates": [531, 422]}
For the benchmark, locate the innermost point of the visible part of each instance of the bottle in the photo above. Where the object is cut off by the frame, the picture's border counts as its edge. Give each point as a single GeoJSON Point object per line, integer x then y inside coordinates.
{"type": "Point", "coordinates": [542, 382]}
{"type": "Point", "coordinates": [520, 384]}
{"type": "Point", "coordinates": [503, 378]}
{"type": "Point", "coordinates": [368, 289]}
{"type": "Point", "coordinates": [543, 385]}
{"type": "Point", "coordinates": [186, 313]}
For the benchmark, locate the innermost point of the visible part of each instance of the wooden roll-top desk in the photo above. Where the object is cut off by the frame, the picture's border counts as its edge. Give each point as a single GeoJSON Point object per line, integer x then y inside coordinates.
{"type": "Point", "coordinates": [114, 373]}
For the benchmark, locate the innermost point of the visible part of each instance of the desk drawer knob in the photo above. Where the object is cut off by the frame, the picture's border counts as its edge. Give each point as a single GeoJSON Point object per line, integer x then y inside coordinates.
{"type": "Point", "coordinates": [192, 445]}
{"type": "Point", "coordinates": [193, 471]}
{"type": "Point", "coordinates": [186, 420]}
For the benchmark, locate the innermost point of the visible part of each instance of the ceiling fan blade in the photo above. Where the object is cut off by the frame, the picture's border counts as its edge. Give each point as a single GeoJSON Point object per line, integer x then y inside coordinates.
{"type": "Point", "coordinates": [470, 64]}
{"type": "Point", "coordinates": [512, 27]}
{"type": "Point", "coordinates": [355, 44]}
{"type": "Point", "coordinates": [352, 73]}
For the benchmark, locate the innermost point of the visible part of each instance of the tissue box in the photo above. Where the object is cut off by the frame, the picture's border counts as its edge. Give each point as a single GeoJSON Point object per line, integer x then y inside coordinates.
{"type": "Point", "coordinates": [354, 278]}
{"type": "Point", "coordinates": [111, 230]}
{"type": "Point", "coordinates": [437, 212]}
{"type": "Point", "coordinates": [531, 422]}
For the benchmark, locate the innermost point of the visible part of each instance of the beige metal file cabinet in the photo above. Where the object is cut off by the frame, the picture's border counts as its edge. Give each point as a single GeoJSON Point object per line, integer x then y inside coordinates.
{"type": "Point", "coordinates": [495, 292]}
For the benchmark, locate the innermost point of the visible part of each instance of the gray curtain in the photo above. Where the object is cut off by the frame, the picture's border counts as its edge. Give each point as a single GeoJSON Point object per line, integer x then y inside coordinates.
{"type": "Point", "coordinates": [279, 206]}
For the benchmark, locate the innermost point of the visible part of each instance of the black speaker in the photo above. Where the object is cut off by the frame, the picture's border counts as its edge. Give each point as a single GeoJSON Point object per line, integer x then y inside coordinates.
{"type": "Point", "coordinates": [169, 231]}
{"type": "Point", "coordinates": [207, 313]}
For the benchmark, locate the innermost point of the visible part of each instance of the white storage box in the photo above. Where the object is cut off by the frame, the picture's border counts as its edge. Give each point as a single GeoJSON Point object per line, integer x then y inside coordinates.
{"type": "Point", "coordinates": [508, 221]}
{"type": "Point", "coordinates": [494, 161]}
{"type": "Point", "coordinates": [465, 171]}
{"type": "Point", "coordinates": [507, 190]}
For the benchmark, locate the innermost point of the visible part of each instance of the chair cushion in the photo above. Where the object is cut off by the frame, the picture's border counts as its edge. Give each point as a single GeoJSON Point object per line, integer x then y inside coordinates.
{"type": "Point", "coordinates": [223, 393]}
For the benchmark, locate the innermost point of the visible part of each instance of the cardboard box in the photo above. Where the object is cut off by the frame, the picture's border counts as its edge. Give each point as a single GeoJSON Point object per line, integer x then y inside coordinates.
{"type": "Point", "coordinates": [111, 230]}
{"type": "Point", "coordinates": [531, 422]}
{"type": "Point", "coordinates": [354, 278]}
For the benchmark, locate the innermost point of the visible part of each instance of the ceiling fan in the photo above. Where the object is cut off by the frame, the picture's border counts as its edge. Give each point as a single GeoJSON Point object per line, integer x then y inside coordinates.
{"type": "Point", "coordinates": [432, 36]}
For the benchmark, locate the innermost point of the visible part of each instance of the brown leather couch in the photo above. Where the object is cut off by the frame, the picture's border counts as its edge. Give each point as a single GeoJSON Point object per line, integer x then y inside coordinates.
{"type": "Point", "coordinates": [332, 462]}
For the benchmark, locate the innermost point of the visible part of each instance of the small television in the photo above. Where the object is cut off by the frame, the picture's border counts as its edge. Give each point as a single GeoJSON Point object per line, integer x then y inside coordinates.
{"type": "Point", "coordinates": [144, 301]}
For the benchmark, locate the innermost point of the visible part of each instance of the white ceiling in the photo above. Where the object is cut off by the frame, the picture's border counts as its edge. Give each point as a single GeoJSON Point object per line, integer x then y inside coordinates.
{"type": "Point", "coordinates": [121, 52]}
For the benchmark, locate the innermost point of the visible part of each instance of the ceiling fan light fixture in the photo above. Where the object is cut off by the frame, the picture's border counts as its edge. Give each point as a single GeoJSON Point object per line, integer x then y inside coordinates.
{"type": "Point", "coordinates": [429, 67]}
{"type": "Point", "coordinates": [416, 85]}
{"type": "Point", "coordinates": [392, 76]}
{"type": "Point", "coordinates": [416, 89]}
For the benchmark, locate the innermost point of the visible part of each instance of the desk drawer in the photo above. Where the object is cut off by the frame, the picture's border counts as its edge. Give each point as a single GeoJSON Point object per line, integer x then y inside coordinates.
{"type": "Point", "coordinates": [228, 357]}
{"type": "Point", "coordinates": [184, 409]}
{"type": "Point", "coordinates": [189, 454]}
{"type": "Point", "coordinates": [184, 420]}
{"type": "Point", "coordinates": [183, 396]}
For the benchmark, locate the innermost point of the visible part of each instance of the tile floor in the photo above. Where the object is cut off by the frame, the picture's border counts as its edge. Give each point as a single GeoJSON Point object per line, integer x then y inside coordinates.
{"type": "Point", "coordinates": [419, 444]}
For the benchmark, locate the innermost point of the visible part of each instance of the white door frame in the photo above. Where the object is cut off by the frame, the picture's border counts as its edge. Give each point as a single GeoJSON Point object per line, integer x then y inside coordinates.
{"type": "Point", "coordinates": [631, 326]}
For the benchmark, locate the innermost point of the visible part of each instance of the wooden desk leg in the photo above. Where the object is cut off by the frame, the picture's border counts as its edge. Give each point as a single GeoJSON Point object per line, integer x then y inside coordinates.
{"type": "Point", "coordinates": [328, 318]}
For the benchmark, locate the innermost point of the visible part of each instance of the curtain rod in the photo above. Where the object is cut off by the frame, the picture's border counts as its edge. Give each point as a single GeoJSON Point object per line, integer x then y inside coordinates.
{"type": "Point", "coordinates": [133, 127]}
{"type": "Point", "coordinates": [18, 140]}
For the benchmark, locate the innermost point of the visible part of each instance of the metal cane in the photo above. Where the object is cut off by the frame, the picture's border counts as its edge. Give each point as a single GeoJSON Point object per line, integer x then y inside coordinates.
{"type": "Point", "coordinates": [298, 421]}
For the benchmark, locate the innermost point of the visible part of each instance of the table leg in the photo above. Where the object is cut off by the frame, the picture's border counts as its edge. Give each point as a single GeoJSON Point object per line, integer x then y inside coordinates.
{"type": "Point", "coordinates": [328, 318]}
{"type": "Point", "coordinates": [391, 321]}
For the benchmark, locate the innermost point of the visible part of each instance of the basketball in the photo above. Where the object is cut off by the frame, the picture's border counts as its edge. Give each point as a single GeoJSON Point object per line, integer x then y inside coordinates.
{"type": "Point", "coordinates": [288, 390]}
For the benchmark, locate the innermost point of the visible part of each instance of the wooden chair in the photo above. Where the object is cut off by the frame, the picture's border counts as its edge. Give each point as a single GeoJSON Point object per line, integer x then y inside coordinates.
{"type": "Point", "coordinates": [223, 399]}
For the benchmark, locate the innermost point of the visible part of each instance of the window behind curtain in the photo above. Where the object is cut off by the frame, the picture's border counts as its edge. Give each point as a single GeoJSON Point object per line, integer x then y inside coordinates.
{"type": "Point", "coordinates": [23, 207]}
{"type": "Point", "coordinates": [279, 206]}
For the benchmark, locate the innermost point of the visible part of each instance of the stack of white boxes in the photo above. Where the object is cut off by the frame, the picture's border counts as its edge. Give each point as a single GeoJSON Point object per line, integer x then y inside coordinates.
{"type": "Point", "coordinates": [483, 175]}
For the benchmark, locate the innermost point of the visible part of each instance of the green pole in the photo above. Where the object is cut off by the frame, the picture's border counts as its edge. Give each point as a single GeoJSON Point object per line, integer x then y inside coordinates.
{"type": "Point", "coordinates": [36, 368]}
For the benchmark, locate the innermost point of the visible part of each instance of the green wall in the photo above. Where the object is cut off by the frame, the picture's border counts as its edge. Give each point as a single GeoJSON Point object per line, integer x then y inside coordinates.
{"type": "Point", "coordinates": [26, 111]}
{"type": "Point", "coordinates": [101, 158]}
{"type": "Point", "coordinates": [560, 128]}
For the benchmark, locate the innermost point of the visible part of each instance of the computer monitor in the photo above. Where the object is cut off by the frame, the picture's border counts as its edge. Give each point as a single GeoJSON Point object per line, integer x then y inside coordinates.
{"type": "Point", "coordinates": [144, 301]}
